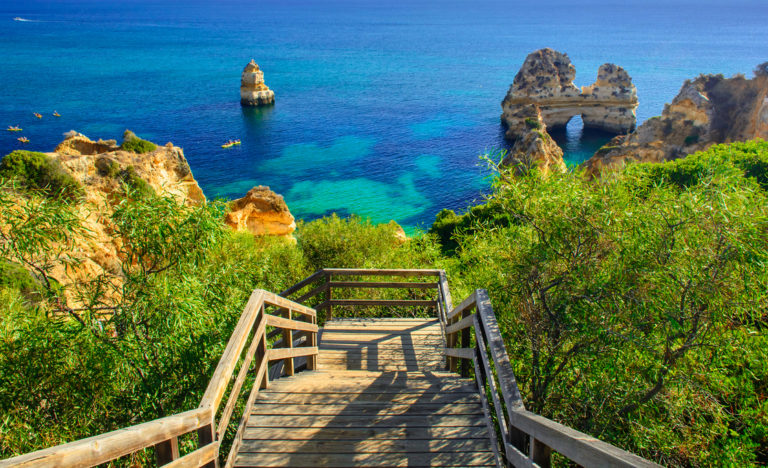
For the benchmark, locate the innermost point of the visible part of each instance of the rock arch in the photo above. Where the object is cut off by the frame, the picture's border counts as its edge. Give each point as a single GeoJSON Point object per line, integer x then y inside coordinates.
{"type": "Point", "coordinates": [546, 81]}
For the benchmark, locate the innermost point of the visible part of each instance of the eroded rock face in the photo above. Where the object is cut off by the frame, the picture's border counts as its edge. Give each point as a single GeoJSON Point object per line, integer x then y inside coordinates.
{"type": "Point", "coordinates": [708, 110]}
{"type": "Point", "coordinates": [546, 81]}
{"type": "Point", "coordinates": [261, 212]}
{"type": "Point", "coordinates": [101, 167]}
{"type": "Point", "coordinates": [253, 91]}
{"type": "Point", "coordinates": [534, 148]}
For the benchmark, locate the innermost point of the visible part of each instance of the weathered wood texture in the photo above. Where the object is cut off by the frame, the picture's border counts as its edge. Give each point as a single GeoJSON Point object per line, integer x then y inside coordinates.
{"type": "Point", "coordinates": [379, 398]}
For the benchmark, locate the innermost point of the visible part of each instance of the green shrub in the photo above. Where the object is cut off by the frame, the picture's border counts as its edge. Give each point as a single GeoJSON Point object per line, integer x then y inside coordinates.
{"type": "Point", "coordinates": [39, 171]}
{"type": "Point", "coordinates": [532, 123]}
{"type": "Point", "coordinates": [14, 276]}
{"type": "Point", "coordinates": [448, 224]}
{"type": "Point", "coordinates": [107, 167]}
{"type": "Point", "coordinates": [137, 186]}
{"type": "Point", "coordinates": [746, 159]}
{"type": "Point", "coordinates": [135, 144]}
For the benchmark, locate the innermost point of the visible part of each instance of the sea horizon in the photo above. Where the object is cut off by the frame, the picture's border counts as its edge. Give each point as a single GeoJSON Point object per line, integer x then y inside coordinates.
{"type": "Point", "coordinates": [381, 110]}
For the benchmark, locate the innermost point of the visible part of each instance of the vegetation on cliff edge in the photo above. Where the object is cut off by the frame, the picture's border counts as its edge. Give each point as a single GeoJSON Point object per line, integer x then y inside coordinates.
{"type": "Point", "coordinates": [633, 307]}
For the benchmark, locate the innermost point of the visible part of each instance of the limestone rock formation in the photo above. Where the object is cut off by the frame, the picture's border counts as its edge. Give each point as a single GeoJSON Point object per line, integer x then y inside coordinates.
{"type": "Point", "coordinates": [546, 80]}
{"type": "Point", "coordinates": [253, 91]}
{"type": "Point", "coordinates": [708, 110]}
{"type": "Point", "coordinates": [534, 147]}
{"type": "Point", "coordinates": [261, 212]}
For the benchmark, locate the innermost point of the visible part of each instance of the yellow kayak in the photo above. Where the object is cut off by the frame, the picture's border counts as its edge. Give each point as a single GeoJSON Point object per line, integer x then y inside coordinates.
{"type": "Point", "coordinates": [23, 139]}
{"type": "Point", "coordinates": [56, 114]}
{"type": "Point", "coordinates": [39, 116]}
{"type": "Point", "coordinates": [14, 129]}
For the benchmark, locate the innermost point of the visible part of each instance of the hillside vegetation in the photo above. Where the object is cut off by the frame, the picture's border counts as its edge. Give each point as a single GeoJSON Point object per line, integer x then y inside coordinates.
{"type": "Point", "coordinates": [633, 307]}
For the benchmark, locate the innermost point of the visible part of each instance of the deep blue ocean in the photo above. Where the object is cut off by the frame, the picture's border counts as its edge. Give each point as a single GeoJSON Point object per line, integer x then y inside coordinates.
{"type": "Point", "coordinates": [382, 107]}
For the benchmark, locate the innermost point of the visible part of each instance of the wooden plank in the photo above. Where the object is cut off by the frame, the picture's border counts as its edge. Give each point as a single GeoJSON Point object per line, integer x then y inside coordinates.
{"type": "Point", "coordinates": [318, 290]}
{"type": "Point", "coordinates": [382, 302]}
{"type": "Point", "coordinates": [106, 447]}
{"type": "Point", "coordinates": [301, 284]}
{"type": "Point", "coordinates": [285, 353]}
{"type": "Point", "coordinates": [240, 380]}
{"type": "Point", "coordinates": [229, 358]}
{"type": "Point", "coordinates": [367, 421]}
{"type": "Point", "coordinates": [380, 272]}
{"type": "Point", "coordinates": [358, 433]}
{"type": "Point", "coordinates": [434, 327]}
{"type": "Point", "coordinates": [275, 300]}
{"type": "Point", "coordinates": [387, 359]}
{"type": "Point", "coordinates": [368, 446]}
{"type": "Point", "coordinates": [466, 304]}
{"type": "Point", "coordinates": [200, 457]}
{"type": "Point", "coordinates": [351, 409]}
{"type": "Point", "coordinates": [463, 353]}
{"type": "Point", "coordinates": [167, 451]}
{"type": "Point", "coordinates": [341, 460]}
{"type": "Point", "coordinates": [290, 324]}
{"type": "Point", "coordinates": [381, 285]}
{"type": "Point", "coordinates": [466, 322]}
{"type": "Point", "coordinates": [507, 381]}
{"type": "Point", "coordinates": [260, 382]}
{"type": "Point", "coordinates": [367, 398]}
{"type": "Point", "coordinates": [577, 446]}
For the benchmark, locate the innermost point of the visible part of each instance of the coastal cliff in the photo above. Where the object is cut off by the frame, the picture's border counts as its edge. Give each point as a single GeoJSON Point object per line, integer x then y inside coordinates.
{"type": "Point", "coordinates": [546, 80]}
{"type": "Point", "coordinates": [708, 110]}
{"type": "Point", "coordinates": [253, 91]}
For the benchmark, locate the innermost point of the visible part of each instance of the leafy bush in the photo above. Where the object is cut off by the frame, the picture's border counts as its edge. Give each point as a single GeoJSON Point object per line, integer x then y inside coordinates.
{"type": "Point", "coordinates": [107, 167]}
{"type": "Point", "coordinates": [746, 159]}
{"type": "Point", "coordinates": [334, 242]}
{"type": "Point", "coordinates": [137, 186]}
{"type": "Point", "coordinates": [532, 123]}
{"type": "Point", "coordinates": [448, 224]}
{"type": "Point", "coordinates": [135, 144]}
{"type": "Point", "coordinates": [39, 171]}
{"type": "Point", "coordinates": [634, 307]}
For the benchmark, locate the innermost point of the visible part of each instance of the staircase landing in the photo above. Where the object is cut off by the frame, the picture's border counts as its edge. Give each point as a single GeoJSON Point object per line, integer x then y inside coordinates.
{"type": "Point", "coordinates": [379, 398]}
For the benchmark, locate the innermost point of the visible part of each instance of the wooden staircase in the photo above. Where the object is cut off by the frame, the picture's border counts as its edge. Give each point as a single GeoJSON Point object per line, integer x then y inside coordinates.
{"type": "Point", "coordinates": [432, 391]}
{"type": "Point", "coordinates": [380, 397]}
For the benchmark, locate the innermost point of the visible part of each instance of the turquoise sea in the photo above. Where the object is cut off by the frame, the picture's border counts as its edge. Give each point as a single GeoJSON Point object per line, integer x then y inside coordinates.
{"type": "Point", "coordinates": [382, 108]}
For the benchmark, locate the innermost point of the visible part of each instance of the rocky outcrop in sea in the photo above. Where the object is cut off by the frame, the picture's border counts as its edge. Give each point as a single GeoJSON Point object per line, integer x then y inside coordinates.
{"type": "Point", "coordinates": [261, 212]}
{"type": "Point", "coordinates": [534, 147]}
{"type": "Point", "coordinates": [253, 91]}
{"type": "Point", "coordinates": [708, 110]}
{"type": "Point", "coordinates": [546, 81]}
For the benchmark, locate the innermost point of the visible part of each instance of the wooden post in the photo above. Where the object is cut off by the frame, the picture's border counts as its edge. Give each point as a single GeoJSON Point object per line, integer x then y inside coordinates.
{"type": "Point", "coordinates": [312, 341]}
{"type": "Point", "coordinates": [205, 436]}
{"type": "Point", "coordinates": [465, 342]}
{"type": "Point", "coordinates": [453, 362]}
{"type": "Point", "coordinates": [540, 454]}
{"type": "Point", "coordinates": [167, 451]}
{"type": "Point", "coordinates": [288, 343]}
{"type": "Point", "coordinates": [329, 314]}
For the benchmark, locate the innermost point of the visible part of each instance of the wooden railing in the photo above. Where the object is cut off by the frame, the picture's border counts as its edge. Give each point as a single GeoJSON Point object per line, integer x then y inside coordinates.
{"type": "Point", "coordinates": [325, 285]}
{"type": "Point", "coordinates": [473, 341]}
{"type": "Point", "coordinates": [473, 346]}
{"type": "Point", "coordinates": [248, 352]}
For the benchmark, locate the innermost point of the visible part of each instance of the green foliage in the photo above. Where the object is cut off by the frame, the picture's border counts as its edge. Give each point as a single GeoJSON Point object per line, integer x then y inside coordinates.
{"type": "Point", "coordinates": [135, 144]}
{"type": "Point", "coordinates": [107, 167]}
{"type": "Point", "coordinates": [746, 159]}
{"type": "Point", "coordinates": [137, 186]}
{"type": "Point", "coordinates": [532, 123]}
{"type": "Point", "coordinates": [334, 242]}
{"type": "Point", "coordinates": [38, 171]}
{"type": "Point", "coordinates": [487, 216]}
{"type": "Point", "coordinates": [633, 307]}
{"type": "Point", "coordinates": [15, 277]}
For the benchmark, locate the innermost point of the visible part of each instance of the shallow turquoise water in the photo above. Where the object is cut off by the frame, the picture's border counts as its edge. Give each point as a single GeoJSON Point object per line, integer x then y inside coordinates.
{"type": "Point", "coordinates": [382, 107]}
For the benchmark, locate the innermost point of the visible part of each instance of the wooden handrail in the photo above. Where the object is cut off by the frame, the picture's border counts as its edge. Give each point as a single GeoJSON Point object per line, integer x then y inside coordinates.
{"type": "Point", "coordinates": [527, 438]}
{"type": "Point", "coordinates": [163, 433]}
{"type": "Point", "coordinates": [105, 447]}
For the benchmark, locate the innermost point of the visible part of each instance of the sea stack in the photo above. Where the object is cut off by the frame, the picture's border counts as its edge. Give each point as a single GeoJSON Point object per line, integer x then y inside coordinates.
{"type": "Point", "coordinates": [546, 81]}
{"type": "Point", "coordinates": [261, 212]}
{"type": "Point", "coordinates": [253, 91]}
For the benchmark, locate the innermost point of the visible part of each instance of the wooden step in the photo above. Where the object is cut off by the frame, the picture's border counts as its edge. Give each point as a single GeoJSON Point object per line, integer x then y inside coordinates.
{"type": "Point", "coordinates": [339, 460]}
{"type": "Point", "coordinates": [369, 445]}
{"type": "Point", "coordinates": [381, 409]}
{"type": "Point", "coordinates": [342, 421]}
{"type": "Point", "coordinates": [365, 433]}
{"type": "Point", "coordinates": [366, 398]}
